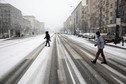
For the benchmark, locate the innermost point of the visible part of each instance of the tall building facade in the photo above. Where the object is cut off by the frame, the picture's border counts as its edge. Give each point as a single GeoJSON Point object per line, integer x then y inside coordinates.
{"type": "Point", "coordinates": [32, 22]}
{"type": "Point", "coordinates": [103, 15]}
{"type": "Point", "coordinates": [122, 15]}
{"type": "Point", "coordinates": [10, 19]}
{"type": "Point", "coordinates": [68, 25]}
{"type": "Point", "coordinates": [13, 23]}
{"type": "Point", "coordinates": [36, 26]}
{"type": "Point", "coordinates": [76, 23]}
{"type": "Point", "coordinates": [26, 27]}
{"type": "Point", "coordinates": [97, 15]}
{"type": "Point", "coordinates": [42, 27]}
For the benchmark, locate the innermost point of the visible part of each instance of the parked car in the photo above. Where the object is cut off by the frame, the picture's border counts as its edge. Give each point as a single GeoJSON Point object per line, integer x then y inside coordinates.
{"type": "Point", "coordinates": [80, 34]}
{"type": "Point", "coordinates": [110, 38]}
{"type": "Point", "coordinates": [91, 36]}
{"type": "Point", "coordinates": [5, 35]}
{"type": "Point", "coordinates": [85, 35]}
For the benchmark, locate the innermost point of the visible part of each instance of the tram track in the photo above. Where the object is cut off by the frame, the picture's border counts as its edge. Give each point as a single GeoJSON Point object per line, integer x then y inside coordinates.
{"type": "Point", "coordinates": [67, 72]}
{"type": "Point", "coordinates": [70, 63]}
{"type": "Point", "coordinates": [53, 76]}
{"type": "Point", "coordinates": [102, 71]}
{"type": "Point", "coordinates": [78, 62]}
{"type": "Point", "coordinates": [111, 64]}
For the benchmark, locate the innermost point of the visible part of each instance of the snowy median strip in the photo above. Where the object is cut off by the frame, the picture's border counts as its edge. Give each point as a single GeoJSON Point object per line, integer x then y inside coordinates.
{"type": "Point", "coordinates": [78, 74]}
{"type": "Point", "coordinates": [36, 71]}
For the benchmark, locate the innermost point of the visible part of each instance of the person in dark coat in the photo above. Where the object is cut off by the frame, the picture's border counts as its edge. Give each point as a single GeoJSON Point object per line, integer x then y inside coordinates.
{"type": "Point", "coordinates": [47, 37]}
{"type": "Point", "coordinates": [100, 45]}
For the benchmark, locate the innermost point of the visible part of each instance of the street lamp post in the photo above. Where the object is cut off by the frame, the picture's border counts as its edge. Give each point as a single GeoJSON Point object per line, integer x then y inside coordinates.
{"type": "Point", "coordinates": [74, 27]}
{"type": "Point", "coordinates": [117, 25]}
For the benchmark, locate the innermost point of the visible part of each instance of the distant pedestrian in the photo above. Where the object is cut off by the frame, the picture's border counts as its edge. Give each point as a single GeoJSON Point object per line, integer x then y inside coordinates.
{"type": "Point", "coordinates": [122, 41]}
{"type": "Point", "coordinates": [100, 45]}
{"type": "Point", "coordinates": [47, 37]}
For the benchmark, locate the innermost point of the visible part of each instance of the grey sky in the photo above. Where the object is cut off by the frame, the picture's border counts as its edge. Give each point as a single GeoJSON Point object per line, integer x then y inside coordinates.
{"type": "Point", "coordinates": [52, 12]}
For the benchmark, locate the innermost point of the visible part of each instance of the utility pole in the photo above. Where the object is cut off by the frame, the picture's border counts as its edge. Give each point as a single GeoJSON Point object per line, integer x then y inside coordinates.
{"type": "Point", "coordinates": [74, 27]}
{"type": "Point", "coordinates": [117, 25]}
{"type": "Point", "coordinates": [100, 19]}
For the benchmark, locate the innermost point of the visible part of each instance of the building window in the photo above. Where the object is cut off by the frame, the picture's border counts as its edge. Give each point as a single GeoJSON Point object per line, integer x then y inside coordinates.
{"type": "Point", "coordinates": [122, 19]}
{"type": "Point", "coordinates": [82, 16]}
{"type": "Point", "coordinates": [111, 14]}
{"type": "Point", "coordinates": [83, 11]}
{"type": "Point", "coordinates": [106, 22]}
{"type": "Point", "coordinates": [110, 21]}
{"type": "Point", "coordinates": [111, 5]}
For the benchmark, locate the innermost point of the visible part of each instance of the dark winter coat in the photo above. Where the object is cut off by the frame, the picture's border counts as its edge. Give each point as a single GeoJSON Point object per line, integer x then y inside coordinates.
{"type": "Point", "coordinates": [47, 37]}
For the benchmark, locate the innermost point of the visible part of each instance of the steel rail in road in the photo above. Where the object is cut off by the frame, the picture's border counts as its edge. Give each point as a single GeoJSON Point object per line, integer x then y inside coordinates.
{"type": "Point", "coordinates": [110, 56]}
{"type": "Point", "coordinates": [70, 73]}
{"type": "Point", "coordinates": [53, 74]}
{"type": "Point", "coordinates": [110, 73]}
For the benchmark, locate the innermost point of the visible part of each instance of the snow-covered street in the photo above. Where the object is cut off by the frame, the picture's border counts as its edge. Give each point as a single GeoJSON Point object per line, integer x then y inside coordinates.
{"type": "Point", "coordinates": [66, 61]}
{"type": "Point", "coordinates": [12, 52]}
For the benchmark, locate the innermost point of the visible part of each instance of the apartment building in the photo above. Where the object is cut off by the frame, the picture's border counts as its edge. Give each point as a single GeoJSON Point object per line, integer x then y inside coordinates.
{"type": "Point", "coordinates": [13, 23]}
{"type": "Point", "coordinates": [10, 19]}
{"type": "Point", "coordinates": [103, 15]}
{"type": "Point", "coordinates": [26, 27]}
{"type": "Point", "coordinates": [97, 15]}
{"type": "Point", "coordinates": [85, 19]}
{"type": "Point", "coordinates": [36, 27]}
{"type": "Point", "coordinates": [122, 15]}
{"type": "Point", "coordinates": [68, 25]}
{"type": "Point", "coordinates": [42, 27]}
{"type": "Point", "coordinates": [76, 23]}
{"type": "Point", "coordinates": [32, 22]}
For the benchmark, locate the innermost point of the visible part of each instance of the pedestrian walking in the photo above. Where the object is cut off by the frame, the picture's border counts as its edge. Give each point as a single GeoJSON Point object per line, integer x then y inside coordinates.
{"type": "Point", "coordinates": [122, 41]}
{"type": "Point", "coordinates": [47, 37]}
{"type": "Point", "coordinates": [100, 45]}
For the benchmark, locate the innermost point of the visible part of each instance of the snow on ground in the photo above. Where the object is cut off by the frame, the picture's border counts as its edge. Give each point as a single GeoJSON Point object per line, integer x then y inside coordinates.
{"type": "Point", "coordinates": [10, 56]}
{"type": "Point", "coordinates": [37, 71]}
{"type": "Point", "coordinates": [119, 45]}
{"type": "Point", "coordinates": [114, 51]}
{"type": "Point", "coordinates": [2, 40]}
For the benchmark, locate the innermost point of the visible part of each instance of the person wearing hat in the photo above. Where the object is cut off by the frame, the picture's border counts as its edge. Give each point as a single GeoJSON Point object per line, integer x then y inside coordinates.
{"type": "Point", "coordinates": [100, 45]}
{"type": "Point", "coordinates": [47, 37]}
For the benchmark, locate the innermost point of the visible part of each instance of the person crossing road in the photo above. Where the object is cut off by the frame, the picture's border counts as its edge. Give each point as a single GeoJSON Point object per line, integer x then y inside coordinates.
{"type": "Point", "coordinates": [47, 37]}
{"type": "Point", "coordinates": [100, 45]}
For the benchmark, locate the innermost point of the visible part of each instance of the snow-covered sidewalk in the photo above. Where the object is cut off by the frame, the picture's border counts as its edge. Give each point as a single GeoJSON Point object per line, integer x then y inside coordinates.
{"type": "Point", "coordinates": [118, 45]}
{"type": "Point", "coordinates": [116, 52]}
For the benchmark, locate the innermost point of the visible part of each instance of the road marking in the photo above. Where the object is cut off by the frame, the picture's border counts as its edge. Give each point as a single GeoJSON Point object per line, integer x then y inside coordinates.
{"type": "Point", "coordinates": [70, 72]}
{"type": "Point", "coordinates": [118, 80]}
{"type": "Point", "coordinates": [78, 74]}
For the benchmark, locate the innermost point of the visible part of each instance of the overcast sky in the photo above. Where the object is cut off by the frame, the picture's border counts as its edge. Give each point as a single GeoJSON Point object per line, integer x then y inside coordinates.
{"type": "Point", "coordinates": [52, 12]}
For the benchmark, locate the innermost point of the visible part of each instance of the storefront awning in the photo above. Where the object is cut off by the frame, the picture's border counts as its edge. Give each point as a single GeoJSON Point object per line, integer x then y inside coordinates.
{"type": "Point", "coordinates": [114, 25]}
{"type": "Point", "coordinates": [111, 25]}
